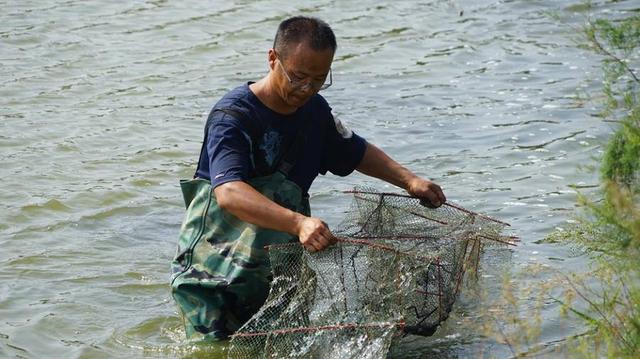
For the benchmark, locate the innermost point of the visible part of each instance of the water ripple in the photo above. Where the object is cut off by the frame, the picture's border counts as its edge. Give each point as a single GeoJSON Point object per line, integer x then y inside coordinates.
{"type": "Point", "coordinates": [102, 107]}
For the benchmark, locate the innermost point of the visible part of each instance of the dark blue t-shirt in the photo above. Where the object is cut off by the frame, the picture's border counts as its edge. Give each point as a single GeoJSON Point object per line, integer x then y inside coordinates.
{"type": "Point", "coordinates": [238, 150]}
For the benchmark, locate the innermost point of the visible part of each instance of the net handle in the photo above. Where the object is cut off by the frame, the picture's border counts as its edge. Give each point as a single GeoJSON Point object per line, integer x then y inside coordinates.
{"type": "Point", "coordinates": [448, 204]}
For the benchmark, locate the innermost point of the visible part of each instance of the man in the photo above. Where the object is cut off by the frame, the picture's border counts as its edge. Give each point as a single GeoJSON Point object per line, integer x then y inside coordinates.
{"type": "Point", "coordinates": [265, 142]}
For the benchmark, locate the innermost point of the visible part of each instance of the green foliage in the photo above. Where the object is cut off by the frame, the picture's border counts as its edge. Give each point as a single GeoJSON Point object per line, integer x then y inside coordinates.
{"type": "Point", "coordinates": [624, 35]}
{"type": "Point", "coordinates": [609, 230]}
{"type": "Point", "coordinates": [618, 42]}
{"type": "Point", "coordinates": [607, 297]}
{"type": "Point", "coordinates": [621, 162]}
{"type": "Point", "coordinates": [580, 7]}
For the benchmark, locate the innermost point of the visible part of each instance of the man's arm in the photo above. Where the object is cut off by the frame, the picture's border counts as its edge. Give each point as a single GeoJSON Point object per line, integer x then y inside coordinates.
{"type": "Point", "coordinates": [244, 202]}
{"type": "Point", "coordinates": [377, 164]}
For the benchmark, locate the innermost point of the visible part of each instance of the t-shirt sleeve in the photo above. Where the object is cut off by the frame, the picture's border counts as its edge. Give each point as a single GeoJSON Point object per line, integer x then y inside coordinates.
{"type": "Point", "coordinates": [229, 148]}
{"type": "Point", "coordinates": [344, 149]}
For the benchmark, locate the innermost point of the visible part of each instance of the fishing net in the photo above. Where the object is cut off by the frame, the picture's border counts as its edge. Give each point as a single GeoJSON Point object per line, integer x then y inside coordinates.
{"type": "Point", "coordinates": [397, 268]}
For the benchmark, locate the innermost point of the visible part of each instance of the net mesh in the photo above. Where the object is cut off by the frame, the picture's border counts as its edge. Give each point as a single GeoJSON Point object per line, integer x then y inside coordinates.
{"type": "Point", "coordinates": [397, 268]}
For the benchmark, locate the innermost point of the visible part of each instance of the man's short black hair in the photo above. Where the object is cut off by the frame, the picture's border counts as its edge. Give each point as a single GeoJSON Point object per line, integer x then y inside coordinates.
{"type": "Point", "coordinates": [297, 29]}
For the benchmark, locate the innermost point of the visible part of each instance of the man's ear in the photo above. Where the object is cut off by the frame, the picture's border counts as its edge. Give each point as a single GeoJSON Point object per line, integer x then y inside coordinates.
{"type": "Point", "coordinates": [271, 58]}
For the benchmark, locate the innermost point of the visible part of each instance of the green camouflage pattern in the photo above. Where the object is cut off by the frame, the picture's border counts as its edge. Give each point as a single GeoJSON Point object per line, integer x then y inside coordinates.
{"type": "Point", "coordinates": [221, 272]}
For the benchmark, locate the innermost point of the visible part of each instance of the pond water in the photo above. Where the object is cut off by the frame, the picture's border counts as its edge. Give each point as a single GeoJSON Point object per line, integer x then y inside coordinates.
{"type": "Point", "coordinates": [102, 106]}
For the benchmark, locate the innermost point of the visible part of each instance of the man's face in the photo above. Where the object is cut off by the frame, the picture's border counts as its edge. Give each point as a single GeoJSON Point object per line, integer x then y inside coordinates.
{"type": "Point", "coordinates": [301, 73]}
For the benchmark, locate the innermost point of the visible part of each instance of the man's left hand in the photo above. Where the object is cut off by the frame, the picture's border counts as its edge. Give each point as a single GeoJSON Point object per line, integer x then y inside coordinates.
{"type": "Point", "coordinates": [427, 190]}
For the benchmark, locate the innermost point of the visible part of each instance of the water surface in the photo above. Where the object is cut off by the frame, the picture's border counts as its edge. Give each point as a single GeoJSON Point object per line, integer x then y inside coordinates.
{"type": "Point", "coordinates": [101, 112]}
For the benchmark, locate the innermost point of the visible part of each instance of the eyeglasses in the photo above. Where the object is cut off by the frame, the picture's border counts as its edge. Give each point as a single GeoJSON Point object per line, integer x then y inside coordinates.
{"type": "Point", "coordinates": [299, 83]}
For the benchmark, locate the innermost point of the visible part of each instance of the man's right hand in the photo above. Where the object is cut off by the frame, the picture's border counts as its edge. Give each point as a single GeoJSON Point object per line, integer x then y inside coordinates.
{"type": "Point", "coordinates": [314, 234]}
{"type": "Point", "coordinates": [243, 201]}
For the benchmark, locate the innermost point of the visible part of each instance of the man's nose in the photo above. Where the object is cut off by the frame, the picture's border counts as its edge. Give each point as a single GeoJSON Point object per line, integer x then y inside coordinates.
{"type": "Point", "coordinates": [308, 87]}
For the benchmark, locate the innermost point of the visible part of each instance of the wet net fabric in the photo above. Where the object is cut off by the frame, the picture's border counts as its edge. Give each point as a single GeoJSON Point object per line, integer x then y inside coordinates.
{"type": "Point", "coordinates": [397, 268]}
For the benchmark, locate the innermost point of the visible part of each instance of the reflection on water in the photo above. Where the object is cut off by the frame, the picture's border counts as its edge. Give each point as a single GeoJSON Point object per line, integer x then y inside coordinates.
{"type": "Point", "coordinates": [101, 112]}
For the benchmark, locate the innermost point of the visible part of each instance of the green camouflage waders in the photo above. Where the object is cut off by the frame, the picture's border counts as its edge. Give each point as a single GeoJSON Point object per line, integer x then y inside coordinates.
{"type": "Point", "coordinates": [221, 272]}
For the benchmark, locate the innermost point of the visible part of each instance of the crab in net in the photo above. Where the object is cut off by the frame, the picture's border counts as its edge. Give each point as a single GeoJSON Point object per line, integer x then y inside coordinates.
{"type": "Point", "coordinates": [396, 268]}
